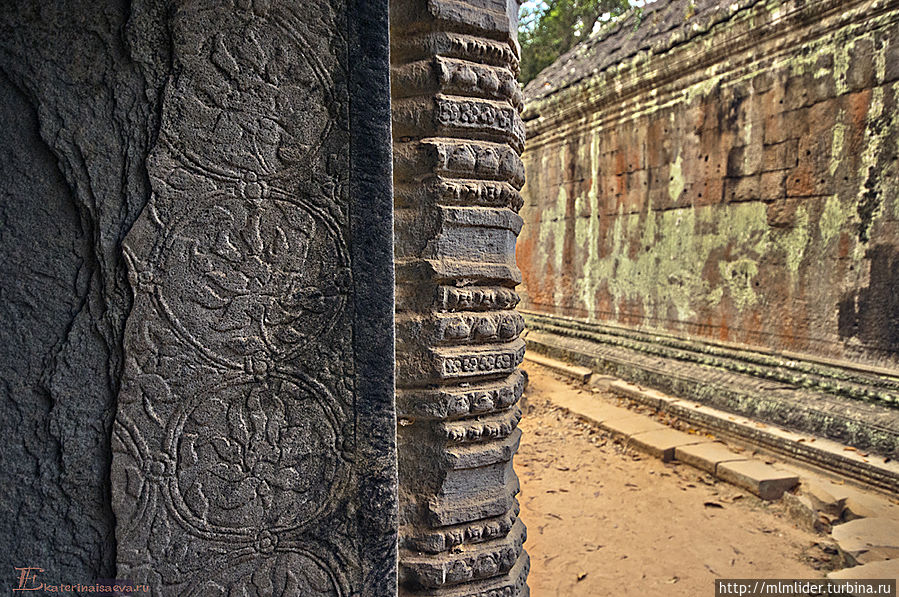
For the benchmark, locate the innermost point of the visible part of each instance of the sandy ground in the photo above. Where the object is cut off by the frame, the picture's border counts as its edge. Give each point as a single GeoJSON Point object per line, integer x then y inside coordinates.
{"type": "Point", "coordinates": [605, 520]}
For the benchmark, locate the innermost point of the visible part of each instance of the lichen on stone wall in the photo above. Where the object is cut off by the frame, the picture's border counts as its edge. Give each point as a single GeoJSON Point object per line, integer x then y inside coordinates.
{"type": "Point", "coordinates": [728, 176]}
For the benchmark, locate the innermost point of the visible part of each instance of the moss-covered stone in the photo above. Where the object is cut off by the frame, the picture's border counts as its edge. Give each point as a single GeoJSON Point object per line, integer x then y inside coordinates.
{"type": "Point", "coordinates": [729, 175]}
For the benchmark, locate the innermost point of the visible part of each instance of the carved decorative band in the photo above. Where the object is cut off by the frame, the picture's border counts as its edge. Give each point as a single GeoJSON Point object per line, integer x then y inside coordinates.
{"type": "Point", "coordinates": [442, 539]}
{"type": "Point", "coordinates": [478, 562]}
{"type": "Point", "coordinates": [455, 402]}
{"type": "Point", "coordinates": [470, 193]}
{"type": "Point", "coordinates": [462, 328]}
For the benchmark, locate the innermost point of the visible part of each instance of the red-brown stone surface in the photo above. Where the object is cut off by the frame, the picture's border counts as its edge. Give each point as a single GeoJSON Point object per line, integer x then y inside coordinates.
{"type": "Point", "coordinates": [730, 175]}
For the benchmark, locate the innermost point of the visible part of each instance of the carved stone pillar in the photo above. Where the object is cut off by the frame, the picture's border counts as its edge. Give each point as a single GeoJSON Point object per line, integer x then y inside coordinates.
{"type": "Point", "coordinates": [457, 173]}
{"type": "Point", "coordinates": [254, 439]}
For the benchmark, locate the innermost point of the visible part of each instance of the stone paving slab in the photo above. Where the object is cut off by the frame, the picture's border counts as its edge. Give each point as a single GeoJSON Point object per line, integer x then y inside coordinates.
{"type": "Point", "coordinates": [761, 479]}
{"type": "Point", "coordinates": [662, 443]}
{"type": "Point", "coordinates": [883, 569]}
{"type": "Point", "coordinates": [632, 425]}
{"type": "Point", "coordinates": [591, 409]}
{"type": "Point", "coordinates": [581, 374]}
{"type": "Point", "coordinates": [860, 504]}
{"type": "Point", "coordinates": [706, 456]}
{"type": "Point", "coordinates": [868, 540]}
{"type": "Point", "coordinates": [825, 498]}
{"type": "Point", "coordinates": [840, 499]}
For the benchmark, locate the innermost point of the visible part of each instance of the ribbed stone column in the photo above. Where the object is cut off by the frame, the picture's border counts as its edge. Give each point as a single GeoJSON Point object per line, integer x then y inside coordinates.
{"type": "Point", "coordinates": [457, 173]}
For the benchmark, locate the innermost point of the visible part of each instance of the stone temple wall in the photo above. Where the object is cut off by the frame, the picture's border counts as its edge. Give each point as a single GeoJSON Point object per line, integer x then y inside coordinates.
{"type": "Point", "coordinates": [716, 185]}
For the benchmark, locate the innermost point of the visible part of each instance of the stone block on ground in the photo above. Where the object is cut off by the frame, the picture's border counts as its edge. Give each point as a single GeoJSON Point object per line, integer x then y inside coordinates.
{"type": "Point", "coordinates": [803, 512]}
{"type": "Point", "coordinates": [824, 497]}
{"type": "Point", "coordinates": [868, 540]}
{"type": "Point", "coordinates": [706, 456]}
{"type": "Point", "coordinates": [580, 374]}
{"type": "Point", "coordinates": [632, 425]}
{"type": "Point", "coordinates": [591, 409]}
{"type": "Point", "coordinates": [662, 443]}
{"type": "Point", "coordinates": [761, 479]}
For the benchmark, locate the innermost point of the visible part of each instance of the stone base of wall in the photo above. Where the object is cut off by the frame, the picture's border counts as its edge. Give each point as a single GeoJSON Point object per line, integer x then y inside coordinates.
{"type": "Point", "coordinates": [854, 405]}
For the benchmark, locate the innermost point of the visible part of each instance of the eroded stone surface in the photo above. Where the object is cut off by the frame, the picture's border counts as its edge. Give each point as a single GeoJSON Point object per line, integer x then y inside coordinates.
{"type": "Point", "coordinates": [725, 222]}
{"type": "Point", "coordinates": [80, 85]}
{"type": "Point", "coordinates": [240, 457]}
{"type": "Point", "coordinates": [197, 216]}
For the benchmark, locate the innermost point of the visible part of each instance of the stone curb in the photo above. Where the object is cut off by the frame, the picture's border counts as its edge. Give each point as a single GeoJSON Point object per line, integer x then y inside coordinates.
{"type": "Point", "coordinates": [827, 455]}
{"type": "Point", "coordinates": [581, 374]}
{"type": "Point", "coordinates": [818, 503]}
{"type": "Point", "coordinates": [763, 480]}
{"type": "Point", "coordinates": [663, 442]}
{"type": "Point", "coordinates": [706, 456]}
{"type": "Point", "coordinates": [865, 529]}
{"type": "Point", "coordinates": [800, 447]}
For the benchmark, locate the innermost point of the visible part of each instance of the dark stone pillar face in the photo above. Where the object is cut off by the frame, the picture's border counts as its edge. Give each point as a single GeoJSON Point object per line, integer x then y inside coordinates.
{"type": "Point", "coordinates": [201, 330]}
{"type": "Point", "coordinates": [242, 461]}
{"type": "Point", "coordinates": [79, 90]}
{"type": "Point", "coordinates": [457, 141]}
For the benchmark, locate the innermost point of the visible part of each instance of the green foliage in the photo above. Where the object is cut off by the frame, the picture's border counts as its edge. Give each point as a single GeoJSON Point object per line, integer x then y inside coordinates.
{"type": "Point", "coordinates": [550, 28]}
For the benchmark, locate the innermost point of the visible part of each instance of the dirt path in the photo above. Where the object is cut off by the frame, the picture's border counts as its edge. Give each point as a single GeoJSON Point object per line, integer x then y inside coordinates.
{"type": "Point", "coordinates": [605, 520]}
